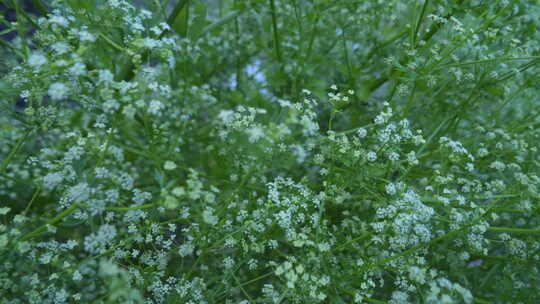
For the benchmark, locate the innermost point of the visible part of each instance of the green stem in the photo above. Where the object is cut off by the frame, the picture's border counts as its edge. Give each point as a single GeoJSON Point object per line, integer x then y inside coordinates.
{"type": "Point", "coordinates": [221, 22]}
{"type": "Point", "coordinates": [494, 60]}
{"type": "Point", "coordinates": [411, 250]}
{"type": "Point", "coordinates": [14, 151]}
{"type": "Point", "coordinates": [41, 8]}
{"type": "Point", "coordinates": [347, 61]}
{"type": "Point", "coordinates": [332, 116]}
{"type": "Point", "coordinates": [123, 209]}
{"type": "Point", "coordinates": [55, 220]}
{"type": "Point", "coordinates": [176, 11]}
{"type": "Point", "coordinates": [112, 43]}
{"type": "Point", "coordinates": [362, 237]}
{"type": "Point", "coordinates": [36, 193]}
{"type": "Point", "coordinates": [275, 30]}
{"type": "Point", "coordinates": [523, 68]}
{"type": "Point", "coordinates": [418, 22]}
{"type": "Point", "coordinates": [514, 230]}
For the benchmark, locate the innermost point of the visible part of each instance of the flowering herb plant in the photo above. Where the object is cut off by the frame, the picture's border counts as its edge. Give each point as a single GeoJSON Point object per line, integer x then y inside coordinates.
{"type": "Point", "coordinates": [269, 151]}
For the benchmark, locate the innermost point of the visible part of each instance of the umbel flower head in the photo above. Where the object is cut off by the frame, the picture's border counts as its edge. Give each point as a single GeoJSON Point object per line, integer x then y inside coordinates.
{"type": "Point", "coordinates": [269, 152]}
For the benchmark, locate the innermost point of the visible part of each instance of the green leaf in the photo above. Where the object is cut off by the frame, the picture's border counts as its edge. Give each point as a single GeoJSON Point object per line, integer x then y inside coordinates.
{"type": "Point", "coordinates": [338, 300]}
{"type": "Point", "coordinates": [198, 22]}
{"type": "Point", "coordinates": [78, 5]}
{"type": "Point", "coordinates": [229, 17]}
{"type": "Point", "coordinates": [7, 91]}
{"type": "Point", "coordinates": [179, 18]}
{"type": "Point", "coordinates": [40, 6]}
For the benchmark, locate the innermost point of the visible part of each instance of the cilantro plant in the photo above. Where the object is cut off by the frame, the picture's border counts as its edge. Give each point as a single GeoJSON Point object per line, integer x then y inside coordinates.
{"type": "Point", "coordinates": [269, 151]}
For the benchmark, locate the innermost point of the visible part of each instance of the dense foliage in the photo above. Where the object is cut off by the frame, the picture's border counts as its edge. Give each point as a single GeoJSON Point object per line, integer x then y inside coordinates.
{"type": "Point", "coordinates": [270, 151]}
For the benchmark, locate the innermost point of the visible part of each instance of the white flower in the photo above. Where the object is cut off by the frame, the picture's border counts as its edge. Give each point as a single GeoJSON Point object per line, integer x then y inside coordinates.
{"type": "Point", "coordinates": [399, 297]}
{"type": "Point", "coordinates": [255, 133]}
{"type": "Point", "coordinates": [46, 258]}
{"type": "Point", "coordinates": [77, 276]}
{"type": "Point", "coordinates": [141, 196]}
{"type": "Point", "coordinates": [417, 274]}
{"type": "Point", "coordinates": [86, 36]}
{"type": "Point", "coordinates": [228, 262]}
{"type": "Point", "coordinates": [178, 191]}
{"type": "Point", "coordinates": [498, 165]}
{"type": "Point", "coordinates": [362, 132]}
{"type": "Point", "coordinates": [155, 107]}
{"type": "Point", "coordinates": [60, 47]}
{"type": "Point", "coordinates": [105, 76]}
{"type": "Point", "coordinates": [79, 193]}
{"type": "Point", "coordinates": [379, 120]}
{"type": "Point", "coordinates": [169, 165]}
{"type": "Point", "coordinates": [25, 94]}
{"type": "Point", "coordinates": [77, 69]}
{"type": "Point", "coordinates": [186, 249]}
{"type": "Point", "coordinates": [4, 210]}
{"type": "Point", "coordinates": [97, 241]}
{"type": "Point", "coordinates": [58, 91]}
{"type": "Point", "coordinates": [483, 152]}
{"type": "Point", "coordinates": [51, 180]}
{"type": "Point", "coordinates": [150, 43]}
{"type": "Point", "coordinates": [393, 156]}
{"type": "Point", "coordinates": [36, 60]}
{"type": "Point", "coordinates": [390, 189]}
{"type": "Point", "coordinates": [59, 20]}
{"type": "Point", "coordinates": [209, 217]}
{"type": "Point", "coordinates": [371, 156]}
{"type": "Point", "coordinates": [411, 158]}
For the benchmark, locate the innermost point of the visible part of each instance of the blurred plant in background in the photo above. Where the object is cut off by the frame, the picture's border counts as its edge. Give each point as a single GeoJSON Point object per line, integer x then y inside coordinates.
{"type": "Point", "coordinates": [276, 151]}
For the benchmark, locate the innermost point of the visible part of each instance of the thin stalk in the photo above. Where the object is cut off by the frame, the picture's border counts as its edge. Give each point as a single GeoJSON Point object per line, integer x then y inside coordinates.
{"type": "Point", "coordinates": [125, 209]}
{"type": "Point", "coordinates": [429, 34]}
{"type": "Point", "coordinates": [14, 151]}
{"type": "Point", "coordinates": [514, 230]}
{"type": "Point", "coordinates": [41, 7]}
{"type": "Point", "coordinates": [521, 69]}
{"type": "Point", "coordinates": [20, 30]}
{"type": "Point", "coordinates": [34, 196]}
{"type": "Point", "coordinates": [219, 23]}
{"type": "Point", "coordinates": [111, 43]}
{"type": "Point", "coordinates": [307, 55]}
{"type": "Point", "coordinates": [176, 11]}
{"type": "Point", "coordinates": [362, 237]}
{"type": "Point", "coordinates": [410, 101]}
{"type": "Point", "coordinates": [418, 22]}
{"type": "Point", "coordinates": [480, 301]}
{"type": "Point", "coordinates": [252, 280]}
{"type": "Point", "coordinates": [275, 30]}
{"type": "Point", "coordinates": [12, 48]}
{"type": "Point", "coordinates": [55, 220]}
{"type": "Point", "coordinates": [492, 60]}
{"type": "Point", "coordinates": [347, 61]}
{"type": "Point", "coordinates": [238, 64]}
{"type": "Point", "coordinates": [485, 25]}
{"type": "Point", "coordinates": [385, 43]}
{"type": "Point", "coordinates": [242, 288]}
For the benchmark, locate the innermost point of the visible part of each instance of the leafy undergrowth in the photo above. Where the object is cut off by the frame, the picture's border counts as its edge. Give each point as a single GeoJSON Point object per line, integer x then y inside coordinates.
{"type": "Point", "coordinates": [280, 151]}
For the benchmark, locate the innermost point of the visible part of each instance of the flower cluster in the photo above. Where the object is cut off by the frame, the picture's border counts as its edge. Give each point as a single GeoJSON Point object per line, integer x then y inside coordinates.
{"type": "Point", "coordinates": [269, 152]}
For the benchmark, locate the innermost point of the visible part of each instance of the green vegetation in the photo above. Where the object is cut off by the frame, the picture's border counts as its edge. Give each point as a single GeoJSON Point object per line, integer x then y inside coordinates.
{"type": "Point", "coordinates": [270, 151]}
